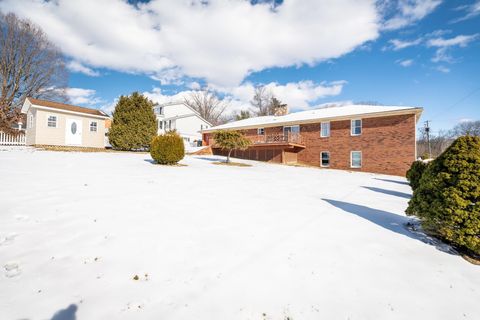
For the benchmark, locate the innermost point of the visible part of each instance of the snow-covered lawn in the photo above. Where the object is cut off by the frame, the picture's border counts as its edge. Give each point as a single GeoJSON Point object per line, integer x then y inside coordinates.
{"type": "Point", "coordinates": [215, 242]}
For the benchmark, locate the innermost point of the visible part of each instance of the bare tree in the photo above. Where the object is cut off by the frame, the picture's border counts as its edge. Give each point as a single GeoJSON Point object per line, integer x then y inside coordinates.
{"type": "Point", "coordinates": [438, 143]}
{"type": "Point", "coordinates": [264, 103]}
{"type": "Point", "coordinates": [471, 128]}
{"type": "Point", "coordinates": [210, 107]}
{"type": "Point", "coordinates": [30, 66]}
{"type": "Point", "coordinates": [261, 101]}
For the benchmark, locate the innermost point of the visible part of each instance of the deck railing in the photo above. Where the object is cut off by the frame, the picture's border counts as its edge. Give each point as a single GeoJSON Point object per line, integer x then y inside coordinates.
{"type": "Point", "coordinates": [280, 138]}
{"type": "Point", "coordinates": [12, 139]}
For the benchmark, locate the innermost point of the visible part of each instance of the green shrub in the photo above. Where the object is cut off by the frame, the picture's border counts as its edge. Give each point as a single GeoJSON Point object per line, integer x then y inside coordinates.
{"type": "Point", "coordinates": [447, 199]}
{"type": "Point", "coordinates": [134, 123]}
{"type": "Point", "coordinates": [415, 173]}
{"type": "Point", "coordinates": [167, 148]}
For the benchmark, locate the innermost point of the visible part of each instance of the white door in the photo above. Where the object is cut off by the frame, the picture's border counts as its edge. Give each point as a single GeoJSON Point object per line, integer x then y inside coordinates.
{"type": "Point", "coordinates": [73, 132]}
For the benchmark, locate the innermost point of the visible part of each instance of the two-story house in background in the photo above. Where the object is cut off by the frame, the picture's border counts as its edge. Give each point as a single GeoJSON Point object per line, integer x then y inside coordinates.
{"type": "Point", "coordinates": [180, 117]}
{"type": "Point", "coordinates": [379, 139]}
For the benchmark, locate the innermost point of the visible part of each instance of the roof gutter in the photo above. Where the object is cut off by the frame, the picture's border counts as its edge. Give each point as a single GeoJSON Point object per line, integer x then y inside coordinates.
{"type": "Point", "coordinates": [417, 111]}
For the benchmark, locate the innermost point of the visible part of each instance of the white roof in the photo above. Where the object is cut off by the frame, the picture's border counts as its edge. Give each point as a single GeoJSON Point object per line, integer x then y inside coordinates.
{"type": "Point", "coordinates": [342, 111]}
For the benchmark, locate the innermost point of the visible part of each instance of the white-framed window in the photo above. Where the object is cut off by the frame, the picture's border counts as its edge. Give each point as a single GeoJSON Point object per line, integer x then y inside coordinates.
{"type": "Point", "coordinates": [325, 129]}
{"type": "Point", "coordinates": [291, 129]}
{"type": "Point", "coordinates": [325, 159]}
{"type": "Point", "coordinates": [30, 121]}
{"type": "Point", "coordinates": [93, 126]}
{"type": "Point", "coordinates": [356, 127]}
{"type": "Point", "coordinates": [260, 131]}
{"type": "Point", "coordinates": [201, 127]}
{"type": "Point", "coordinates": [356, 159]}
{"type": "Point", "coordinates": [52, 121]}
{"type": "Point", "coordinates": [160, 125]}
{"type": "Point", "coordinates": [158, 110]}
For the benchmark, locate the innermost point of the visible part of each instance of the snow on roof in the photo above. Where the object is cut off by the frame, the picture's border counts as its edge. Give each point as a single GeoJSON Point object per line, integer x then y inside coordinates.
{"type": "Point", "coordinates": [330, 112]}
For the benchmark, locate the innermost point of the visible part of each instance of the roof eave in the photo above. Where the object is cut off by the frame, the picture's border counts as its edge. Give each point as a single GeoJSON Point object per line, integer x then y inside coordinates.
{"type": "Point", "coordinates": [65, 111]}
{"type": "Point", "coordinates": [417, 110]}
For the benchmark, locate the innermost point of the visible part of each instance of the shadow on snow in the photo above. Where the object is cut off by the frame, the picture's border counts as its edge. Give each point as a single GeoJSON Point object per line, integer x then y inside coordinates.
{"type": "Point", "coordinates": [68, 313]}
{"type": "Point", "coordinates": [389, 192]}
{"type": "Point", "coordinates": [392, 222]}
{"type": "Point", "coordinates": [393, 181]}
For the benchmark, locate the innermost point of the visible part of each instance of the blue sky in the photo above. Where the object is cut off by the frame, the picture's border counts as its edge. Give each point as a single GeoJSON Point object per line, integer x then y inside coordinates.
{"type": "Point", "coordinates": [406, 52]}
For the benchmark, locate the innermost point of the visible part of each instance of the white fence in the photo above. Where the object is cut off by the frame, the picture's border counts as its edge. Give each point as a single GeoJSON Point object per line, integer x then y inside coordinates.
{"type": "Point", "coordinates": [11, 139]}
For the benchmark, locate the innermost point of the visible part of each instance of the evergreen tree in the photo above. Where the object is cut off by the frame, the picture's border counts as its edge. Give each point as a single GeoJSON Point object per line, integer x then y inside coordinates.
{"type": "Point", "coordinates": [230, 140]}
{"type": "Point", "coordinates": [244, 114]}
{"type": "Point", "coordinates": [447, 199]}
{"type": "Point", "coordinates": [415, 173]}
{"type": "Point", "coordinates": [134, 123]}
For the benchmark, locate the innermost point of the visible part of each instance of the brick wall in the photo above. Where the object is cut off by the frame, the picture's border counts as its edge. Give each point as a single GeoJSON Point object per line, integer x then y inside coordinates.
{"type": "Point", "coordinates": [387, 145]}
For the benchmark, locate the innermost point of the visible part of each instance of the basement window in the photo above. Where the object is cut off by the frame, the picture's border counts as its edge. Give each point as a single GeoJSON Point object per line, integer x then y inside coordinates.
{"type": "Point", "coordinates": [325, 159]}
{"type": "Point", "coordinates": [356, 159]}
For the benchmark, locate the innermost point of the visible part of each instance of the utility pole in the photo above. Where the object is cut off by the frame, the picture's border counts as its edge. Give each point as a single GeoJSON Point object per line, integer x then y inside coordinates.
{"type": "Point", "coordinates": [427, 132]}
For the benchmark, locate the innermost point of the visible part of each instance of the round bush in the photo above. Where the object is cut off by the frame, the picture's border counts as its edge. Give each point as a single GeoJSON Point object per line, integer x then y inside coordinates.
{"type": "Point", "coordinates": [415, 173]}
{"type": "Point", "coordinates": [448, 198]}
{"type": "Point", "coordinates": [167, 148]}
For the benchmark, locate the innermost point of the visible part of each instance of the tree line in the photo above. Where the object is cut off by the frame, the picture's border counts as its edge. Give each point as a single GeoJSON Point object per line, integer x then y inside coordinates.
{"type": "Point", "coordinates": [433, 145]}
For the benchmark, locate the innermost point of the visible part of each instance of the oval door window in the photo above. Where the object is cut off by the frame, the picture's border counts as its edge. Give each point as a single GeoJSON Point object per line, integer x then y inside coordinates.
{"type": "Point", "coordinates": [74, 127]}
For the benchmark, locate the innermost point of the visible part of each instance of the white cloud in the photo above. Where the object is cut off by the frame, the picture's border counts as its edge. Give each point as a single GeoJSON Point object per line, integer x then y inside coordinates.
{"type": "Point", "coordinates": [76, 66]}
{"type": "Point", "coordinates": [443, 45]}
{"type": "Point", "coordinates": [443, 69]}
{"type": "Point", "coordinates": [470, 11]}
{"type": "Point", "coordinates": [83, 96]}
{"type": "Point", "coordinates": [398, 44]}
{"type": "Point", "coordinates": [460, 40]}
{"type": "Point", "coordinates": [218, 40]}
{"type": "Point", "coordinates": [405, 63]}
{"type": "Point", "coordinates": [298, 95]}
{"type": "Point", "coordinates": [409, 12]}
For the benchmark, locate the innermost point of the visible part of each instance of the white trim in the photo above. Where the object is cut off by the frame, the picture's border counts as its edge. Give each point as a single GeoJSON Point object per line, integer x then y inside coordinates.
{"type": "Point", "coordinates": [351, 127]}
{"type": "Point", "coordinates": [65, 111]}
{"type": "Point", "coordinates": [56, 120]}
{"type": "Point", "coordinates": [321, 129]}
{"type": "Point", "coordinates": [415, 129]}
{"type": "Point", "coordinates": [351, 159]}
{"type": "Point", "coordinates": [270, 123]}
{"type": "Point", "coordinates": [321, 165]}
{"type": "Point", "coordinates": [30, 121]}
{"type": "Point", "coordinates": [296, 125]}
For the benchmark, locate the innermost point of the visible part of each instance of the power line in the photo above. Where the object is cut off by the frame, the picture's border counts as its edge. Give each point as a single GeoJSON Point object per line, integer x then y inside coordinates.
{"type": "Point", "coordinates": [456, 103]}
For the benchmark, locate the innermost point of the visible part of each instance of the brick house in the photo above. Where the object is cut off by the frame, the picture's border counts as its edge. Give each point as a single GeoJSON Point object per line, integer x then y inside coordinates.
{"type": "Point", "coordinates": [378, 139]}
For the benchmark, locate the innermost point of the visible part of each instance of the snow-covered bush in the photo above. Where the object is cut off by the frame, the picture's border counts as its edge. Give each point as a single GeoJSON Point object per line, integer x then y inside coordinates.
{"type": "Point", "coordinates": [415, 173]}
{"type": "Point", "coordinates": [167, 148]}
{"type": "Point", "coordinates": [447, 199]}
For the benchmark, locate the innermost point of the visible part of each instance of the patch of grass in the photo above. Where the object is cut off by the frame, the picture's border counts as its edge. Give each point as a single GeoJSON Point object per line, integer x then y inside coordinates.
{"type": "Point", "coordinates": [232, 164]}
{"type": "Point", "coordinates": [170, 165]}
